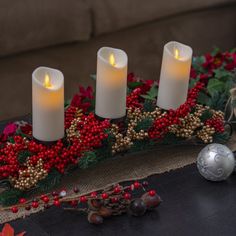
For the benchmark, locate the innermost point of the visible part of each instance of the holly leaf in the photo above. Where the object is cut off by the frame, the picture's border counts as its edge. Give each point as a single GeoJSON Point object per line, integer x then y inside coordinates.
{"type": "Point", "coordinates": [151, 94]}
{"type": "Point", "coordinates": [148, 97]}
{"type": "Point", "coordinates": [135, 84]}
{"type": "Point", "coordinates": [93, 77]}
{"type": "Point", "coordinates": [203, 98]}
{"type": "Point", "coordinates": [67, 103]}
{"type": "Point", "coordinates": [7, 230]}
{"type": "Point", "coordinates": [215, 85]}
{"type": "Point", "coordinates": [153, 91]}
{"type": "Point", "coordinates": [222, 74]}
{"type": "Point", "coordinates": [87, 160]}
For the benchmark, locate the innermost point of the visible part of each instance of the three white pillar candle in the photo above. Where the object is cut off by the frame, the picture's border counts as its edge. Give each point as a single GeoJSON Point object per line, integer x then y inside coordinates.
{"type": "Point", "coordinates": [111, 83]}
{"type": "Point", "coordinates": [48, 104]}
{"type": "Point", "coordinates": [174, 78]}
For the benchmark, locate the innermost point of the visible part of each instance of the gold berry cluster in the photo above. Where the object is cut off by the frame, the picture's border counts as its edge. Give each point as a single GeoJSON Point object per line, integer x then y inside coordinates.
{"type": "Point", "coordinates": [189, 123]}
{"type": "Point", "coordinates": [124, 141]}
{"type": "Point", "coordinates": [30, 176]}
{"type": "Point", "coordinates": [72, 131]}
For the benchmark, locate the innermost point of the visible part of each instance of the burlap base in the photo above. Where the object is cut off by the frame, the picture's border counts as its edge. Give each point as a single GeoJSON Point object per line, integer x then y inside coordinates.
{"type": "Point", "coordinates": [122, 168]}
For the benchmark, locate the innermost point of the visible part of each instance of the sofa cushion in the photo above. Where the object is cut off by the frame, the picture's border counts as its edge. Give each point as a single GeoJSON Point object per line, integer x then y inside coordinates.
{"type": "Point", "coordinates": [29, 24]}
{"type": "Point", "coordinates": [110, 15]}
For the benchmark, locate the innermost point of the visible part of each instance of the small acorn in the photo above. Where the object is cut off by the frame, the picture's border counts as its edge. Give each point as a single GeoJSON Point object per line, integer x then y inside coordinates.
{"type": "Point", "coordinates": [94, 218]}
{"type": "Point", "coordinates": [137, 207]}
{"type": "Point", "coordinates": [105, 212]}
{"type": "Point", "coordinates": [151, 199]}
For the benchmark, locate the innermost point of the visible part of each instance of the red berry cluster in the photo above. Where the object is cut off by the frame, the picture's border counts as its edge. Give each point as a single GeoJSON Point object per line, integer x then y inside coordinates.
{"type": "Point", "coordinates": [161, 125]}
{"type": "Point", "coordinates": [132, 100]}
{"type": "Point", "coordinates": [9, 165]}
{"type": "Point", "coordinates": [216, 123]}
{"type": "Point", "coordinates": [70, 115]}
{"type": "Point", "coordinates": [92, 131]}
{"type": "Point", "coordinates": [59, 156]}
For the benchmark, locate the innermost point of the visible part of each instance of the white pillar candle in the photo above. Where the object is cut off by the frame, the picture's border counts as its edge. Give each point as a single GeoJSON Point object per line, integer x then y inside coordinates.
{"type": "Point", "coordinates": [111, 83]}
{"type": "Point", "coordinates": [174, 78]}
{"type": "Point", "coordinates": [48, 104]}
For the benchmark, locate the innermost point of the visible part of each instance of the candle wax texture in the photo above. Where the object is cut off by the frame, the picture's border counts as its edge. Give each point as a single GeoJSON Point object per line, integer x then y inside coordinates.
{"type": "Point", "coordinates": [174, 78]}
{"type": "Point", "coordinates": [111, 83]}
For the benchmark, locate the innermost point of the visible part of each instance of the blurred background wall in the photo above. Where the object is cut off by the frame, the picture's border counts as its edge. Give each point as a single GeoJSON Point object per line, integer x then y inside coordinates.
{"type": "Point", "coordinates": [66, 34]}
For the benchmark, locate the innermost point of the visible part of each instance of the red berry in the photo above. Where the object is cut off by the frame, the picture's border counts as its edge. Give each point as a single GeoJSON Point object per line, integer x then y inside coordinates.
{"type": "Point", "coordinates": [56, 203]}
{"type": "Point", "coordinates": [76, 190]}
{"type": "Point", "coordinates": [45, 199]}
{"type": "Point", "coordinates": [117, 189]}
{"type": "Point", "coordinates": [152, 193]}
{"type": "Point", "coordinates": [114, 200]}
{"type": "Point", "coordinates": [14, 209]}
{"type": "Point", "coordinates": [136, 185]}
{"type": "Point", "coordinates": [127, 196]}
{"type": "Point", "coordinates": [93, 194]}
{"type": "Point", "coordinates": [104, 195]}
{"type": "Point", "coordinates": [22, 200]}
{"type": "Point", "coordinates": [74, 203]}
{"type": "Point", "coordinates": [35, 204]}
{"type": "Point", "coordinates": [83, 199]}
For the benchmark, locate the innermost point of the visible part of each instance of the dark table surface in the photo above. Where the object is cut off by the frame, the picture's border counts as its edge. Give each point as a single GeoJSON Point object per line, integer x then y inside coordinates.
{"type": "Point", "coordinates": [191, 206]}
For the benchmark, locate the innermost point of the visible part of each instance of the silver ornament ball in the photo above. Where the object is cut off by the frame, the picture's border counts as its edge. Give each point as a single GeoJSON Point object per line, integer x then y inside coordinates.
{"type": "Point", "coordinates": [215, 162]}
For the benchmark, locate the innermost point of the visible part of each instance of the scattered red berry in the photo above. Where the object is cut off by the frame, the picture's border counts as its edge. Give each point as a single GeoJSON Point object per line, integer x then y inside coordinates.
{"type": "Point", "coordinates": [83, 199]}
{"type": "Point", "coordinates": [14, 209]}
{"type": "Point", "coordinates": [152, 193]}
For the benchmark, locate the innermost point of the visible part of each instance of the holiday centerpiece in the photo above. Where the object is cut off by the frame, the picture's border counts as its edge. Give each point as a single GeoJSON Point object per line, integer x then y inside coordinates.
{"type": "Point", "coordinates": [28, 164]}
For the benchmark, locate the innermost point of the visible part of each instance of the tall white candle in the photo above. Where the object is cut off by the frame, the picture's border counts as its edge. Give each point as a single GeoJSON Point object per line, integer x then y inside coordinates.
{"type": "Point", "coordinates": [174, 78]}
{"type": "Point", "coordinates": [48, 104]}
{"type": "Point", "coordinates": [111, 83]}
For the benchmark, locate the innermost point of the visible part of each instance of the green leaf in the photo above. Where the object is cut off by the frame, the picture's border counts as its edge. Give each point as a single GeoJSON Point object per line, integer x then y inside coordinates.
{"type": "Point", "coordinates": [222, 74]}
{"type": "Point", "coordinates": [67, 103]}
{"type": "Point", "coordinates": [148, 97]}
{"type": "Point", "coordinates": [88, 159]}
{"type": "Point", "coordinates": [149, 105]}
{"type": "Point", "coordinates": [192, 82]}
{"type": "Point", "coordinates": [144, 124]}
{"type": "Point", "coordinates": [52, 180]}
{"type": "Point", "coordinates": [203, 98]}
{"type": "Point", "coordinates": [10, 197]}
{"type": "Point", "coordinates": [93, 77]}
{"type": "Point", "coordinates": [215, 51]}
{"type": "Point", "coordinates": [153, 91]}
{"type": "Point", "coordinates": [23, 155]}
{"type": "Point", "coordinates": [134, 85]}
{"type": "Point", "coordinates": [214, 85]}
{"type": "Point", "coordinates": [206, 115]}
{"type": "Point", "coordinates": [221, 137]}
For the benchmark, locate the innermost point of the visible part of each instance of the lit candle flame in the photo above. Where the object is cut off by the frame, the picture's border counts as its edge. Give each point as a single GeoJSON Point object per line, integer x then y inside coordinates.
{"type": "Point", "coordinates": [112, 59]}
{"type": "Point", "coordinates": [47, 82]}
{"type": "Point", "coordinates": [177, 53]}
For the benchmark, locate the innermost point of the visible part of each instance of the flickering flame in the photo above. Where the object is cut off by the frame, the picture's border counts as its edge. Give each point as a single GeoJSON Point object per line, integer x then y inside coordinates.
{"type": "Point", "coordinates": [112, 59]}
{"type": "Point", "coordinates": [47, 82]}
{"type": "Point", "coordinates": [177, 53]}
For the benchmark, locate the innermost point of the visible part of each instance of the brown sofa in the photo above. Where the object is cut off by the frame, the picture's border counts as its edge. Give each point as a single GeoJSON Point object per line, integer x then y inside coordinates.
{"type": "Point", "coordinates": [66, 34]}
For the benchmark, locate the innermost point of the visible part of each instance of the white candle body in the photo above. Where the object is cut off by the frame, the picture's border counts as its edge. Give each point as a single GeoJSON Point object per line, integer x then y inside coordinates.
{"type": "Point", "coordinates": [174, 78]}
{"type": "Point", "coordinates": [48, 105]}
{"type": "Point", "coordinates": [111, 84]}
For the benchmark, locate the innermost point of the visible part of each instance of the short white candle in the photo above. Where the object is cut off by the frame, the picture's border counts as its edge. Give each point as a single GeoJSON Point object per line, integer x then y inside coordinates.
{"type": "Point", "coordinates": [174, 78]}
{"type": "Point", "coordinates": [111, 83]}
{"type": "Point", "coordinates": [48, 104]}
